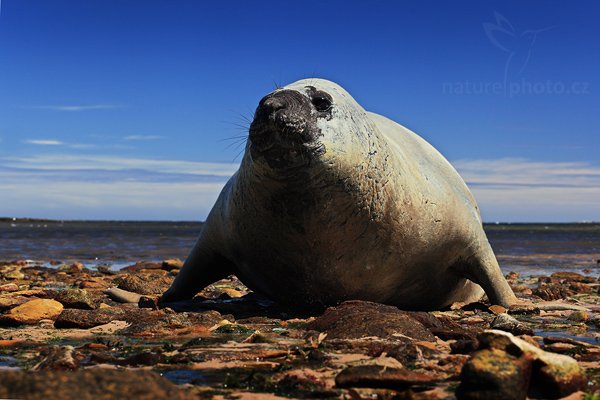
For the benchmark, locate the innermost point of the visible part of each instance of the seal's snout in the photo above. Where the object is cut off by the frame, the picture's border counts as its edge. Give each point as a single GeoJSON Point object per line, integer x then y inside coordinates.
{"type": "Point", "coordinates": [282, 116]}
{"type": "Point", "coordinates": [284, 128]}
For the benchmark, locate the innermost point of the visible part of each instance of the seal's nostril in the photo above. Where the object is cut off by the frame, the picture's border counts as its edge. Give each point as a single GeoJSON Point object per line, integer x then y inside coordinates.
{"type": "Point", "coordinates": [273, 103]}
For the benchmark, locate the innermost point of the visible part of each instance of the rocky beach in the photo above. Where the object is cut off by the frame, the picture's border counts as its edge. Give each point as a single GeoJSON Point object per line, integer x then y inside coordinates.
{"type": "Point", "coordinates": [87, 330]}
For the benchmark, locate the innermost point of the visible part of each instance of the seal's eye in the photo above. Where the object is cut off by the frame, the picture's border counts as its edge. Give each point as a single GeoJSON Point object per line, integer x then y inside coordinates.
{"type": "Point", "coordinates": [321, 101]}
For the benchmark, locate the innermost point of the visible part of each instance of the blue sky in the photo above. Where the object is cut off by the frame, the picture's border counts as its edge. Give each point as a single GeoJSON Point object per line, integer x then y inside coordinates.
{"type": "Point", "coordinates": [125, 109]}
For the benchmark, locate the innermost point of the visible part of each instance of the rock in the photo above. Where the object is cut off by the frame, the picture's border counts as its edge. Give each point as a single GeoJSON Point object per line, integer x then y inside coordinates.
{"type": "Point", "coordinates": [57, 358]}
{"type": "Point", "coordinates": [579, 316]}
{"type": "Point", "coordinates": [142, 358]}
{"type": "Point", "coordinates": [556, 305]}
{"type": "Point", "coordinates": [105, 269]}
{"type": "Point", "coordinates": [85, 319]}
{"type": "Point", "coordinates": [232, 293]}
{"type": "Point", "coordinates": [572, 277]}
{"type": "Point", "coordinates": [444, 327]}
{"type": "Point", "coordinates": [9, 287]}
{"type": "Point", "coordinates": [561, 348]}
{"type": "Point", "coordinates": [305, 383]}
{"type": "Point", "coordinates": [34, 310]}
{"type": "Point", "coordinates": [140, 265]}
{"type": "Point", "coordinates": [122, 296]}
{"type": "Point", "coordinates": [507, 323]}
{"type": "Point", "coordinates": [375, 376]}
{"type": "Point", "coordinates": [522, 290]}
{"type": "Point", "coordinates": [356, 319]}
{"type": "Point", "coordinates": [10, 301]}
{"type": "Point", "coordinates": [553, 292]}
{"type": "Point", "coordinates": [521, 309]}
{"type": "Point", "coordinates": [148, 302]}
{"type": "Point", "coordinates": [72, 269]}
{"type": "Point", "coordinates": [552, 375]}
{"type": "Point", "coordinates": [76, 298]}
{"type": "Point", "coordinates": [11, 272]}
{"type": "Point", "coordinates": [512, 276]}
{"type": "Point", "coordinates": [94, 383]}
{"type": "Point", "coordinates": [492, 374]}
{"type": "Point", "coordinates": [146, 283]}
{"type": "Point", "coordinates": [496, 309]}
{"type": "Point", "coordinates": [94, 283]}
{"type": "Point", "coordinates": [171, 264]}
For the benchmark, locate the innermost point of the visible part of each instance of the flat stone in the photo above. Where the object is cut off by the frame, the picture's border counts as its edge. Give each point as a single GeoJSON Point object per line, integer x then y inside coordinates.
{"type": "Point", "coordinates": [76, 298]}
{"type": "Point", "coordinates": [140, 265]}
{"type": "Point", "coordinates": [34, 310]}
{"type": "Point", "coordinates": [147, 283]}
{"type": "Point", "coordinates": [375, 376]}
{"type": "Point", "coordinates": [85, 319]}
{"type": "Point", "coordinates": [572, 277]}
{"type": "Point", "coordinates": [94, 283]}
{"type": "Point", "coordinates": [356, 319]}
{"type": "Point", "coordinates": [93, 383]}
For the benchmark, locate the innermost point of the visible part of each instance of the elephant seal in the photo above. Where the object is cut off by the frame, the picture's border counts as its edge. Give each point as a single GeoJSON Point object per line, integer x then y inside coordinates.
{"type": "Point", "coordinates": [332, 203]}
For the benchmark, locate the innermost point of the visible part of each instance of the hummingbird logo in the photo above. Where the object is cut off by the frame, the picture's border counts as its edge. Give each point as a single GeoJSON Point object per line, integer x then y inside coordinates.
{"type": "Point", "coordinates": [517, 46]}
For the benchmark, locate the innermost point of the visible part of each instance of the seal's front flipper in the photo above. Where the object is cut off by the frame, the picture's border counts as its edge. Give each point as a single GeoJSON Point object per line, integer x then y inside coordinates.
{"type": "Point", "coordinates": [202, 267]}
{"type": "Point", "coordinates": [483, 269]}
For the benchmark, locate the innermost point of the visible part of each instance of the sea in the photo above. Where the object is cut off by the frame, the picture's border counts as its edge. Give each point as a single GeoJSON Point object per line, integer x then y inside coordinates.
{"type": "Point", "coordinates": [529, 249]}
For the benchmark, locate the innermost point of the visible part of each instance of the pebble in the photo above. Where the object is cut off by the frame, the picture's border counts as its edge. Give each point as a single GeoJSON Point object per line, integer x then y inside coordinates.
{"type": "Point", "coordinates": [496, 309]}
{"type": "Point", "coordinates": [579, 316]}
{"type": "Point", "coordinates": [507, 323]}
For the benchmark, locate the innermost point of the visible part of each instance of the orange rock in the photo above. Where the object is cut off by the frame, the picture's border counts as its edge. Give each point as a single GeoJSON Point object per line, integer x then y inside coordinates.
{"type": "Point", "coordinates": [35, 310]}
{"type": "Point", "coordinates": [496, 309]}
{"type": "Point", "coordinates": [9, 343]}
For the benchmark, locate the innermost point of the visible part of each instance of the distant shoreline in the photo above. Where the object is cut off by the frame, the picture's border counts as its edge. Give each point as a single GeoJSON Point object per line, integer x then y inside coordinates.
{"type": "Point", "coordinates": [46, 220]}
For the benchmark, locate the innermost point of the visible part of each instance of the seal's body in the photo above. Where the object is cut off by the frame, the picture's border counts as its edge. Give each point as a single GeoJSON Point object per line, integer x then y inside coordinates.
{"type": "Point", "coordinates": [333, 203]}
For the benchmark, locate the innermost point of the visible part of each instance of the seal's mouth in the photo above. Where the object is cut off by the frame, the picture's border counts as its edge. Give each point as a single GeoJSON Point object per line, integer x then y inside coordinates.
{"type": "Point", "coordinates": [284, 131]}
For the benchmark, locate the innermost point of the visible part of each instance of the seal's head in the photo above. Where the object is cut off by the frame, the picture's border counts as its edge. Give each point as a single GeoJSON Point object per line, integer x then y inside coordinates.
{"type": "Point", "coordinates": [303, 123]}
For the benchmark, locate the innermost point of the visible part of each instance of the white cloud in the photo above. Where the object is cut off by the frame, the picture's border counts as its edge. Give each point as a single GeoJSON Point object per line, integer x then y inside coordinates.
{"type": "Point", "coordinates": [75, 108]}
{"type": "Point", "coordinates": [70, 186]}
{"type": "Point", "coordinates": [142, 137]}
{"type": "Point", "coordinates": [523, 190]}
{"type": "Point", "coordinates": [44, 142]}
{"type": "Point", "coordinates": [114, 163]}
{"type": "Point", "coordinates": [74, 186]}
{"type": "Point", "coordinates": [53, 142]}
